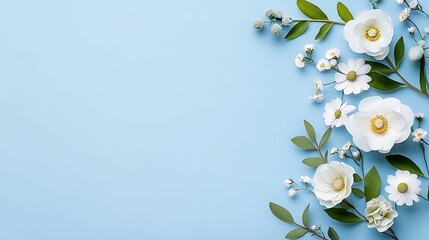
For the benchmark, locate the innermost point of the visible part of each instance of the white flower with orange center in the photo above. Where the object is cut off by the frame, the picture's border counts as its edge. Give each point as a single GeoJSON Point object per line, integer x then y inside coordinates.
{"type": "Point", "coordinates": [370, 32]}
{"type": "Point", "coordinates": [380, 123]}
{"type": "Point", "coordinates": [332, 183]}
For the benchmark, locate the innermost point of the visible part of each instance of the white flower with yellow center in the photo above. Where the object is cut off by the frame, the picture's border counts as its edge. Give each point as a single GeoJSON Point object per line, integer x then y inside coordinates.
{"type": "Point", "coordinates": [332, 183]}
{"type": "Point", "coordinates": [332, 53]}
{"type": "Point", "coordinates": [380, 123]}
{"type": "Point", "coordinates": [353, 78]}
{"type": "Point", "coordinates": [336, 113]}
{"type": "Point", "coordinates": [404, 14]}
{"type": "Point", "coordinates": [403, 188]}
{"type": "Point", "coordinates": [380, 214]}
{"type": "Point", "coordinates": [323, 65]}
{"type": "Point", "coordinates": [299, 60]}
{"type": "Point", "coordinates": [419, 134]}
{"type": "Point", "coordinates": [370, 32]}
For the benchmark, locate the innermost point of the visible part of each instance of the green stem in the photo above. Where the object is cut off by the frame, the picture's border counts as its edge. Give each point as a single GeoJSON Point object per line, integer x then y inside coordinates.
{"type": "Point", "coordinates": [427, 200]}
{"type": "Point", "coordinates": [312, 231]}
{"type": "Point", "coordinates": [422, 145]}
{"type": "Point", "coordinates": [319, 20]}
{"type": "Point", "coordinates": [403, 79]}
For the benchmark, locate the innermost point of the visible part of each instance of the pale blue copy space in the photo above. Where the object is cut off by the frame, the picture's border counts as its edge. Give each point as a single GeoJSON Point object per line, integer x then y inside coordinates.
{"type": "Point", "coordinates": [162, 120]}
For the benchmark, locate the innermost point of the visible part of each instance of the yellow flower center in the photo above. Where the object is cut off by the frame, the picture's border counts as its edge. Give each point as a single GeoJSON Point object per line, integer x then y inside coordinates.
{"type": "Point", "coordinates": [338, 184]}
{"type": "Point", "coordinates": [379, 124]}
{"type": "Point", "coordinates": [351, 76]}
{"type": "Point", "coordinates": [372, 33]}
{"type": "Point", "coordinates": [337, 113]}
{"type": "Point", "coordinates": [402, 187]}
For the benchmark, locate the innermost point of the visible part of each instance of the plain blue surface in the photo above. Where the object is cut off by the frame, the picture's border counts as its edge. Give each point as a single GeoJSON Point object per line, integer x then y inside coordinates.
{"type": "Point", "coordinates": [161, 120]}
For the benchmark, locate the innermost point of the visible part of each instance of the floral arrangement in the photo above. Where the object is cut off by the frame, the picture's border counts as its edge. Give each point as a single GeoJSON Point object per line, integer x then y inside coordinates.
{"type": "Point", "coordinates": [376, 124]}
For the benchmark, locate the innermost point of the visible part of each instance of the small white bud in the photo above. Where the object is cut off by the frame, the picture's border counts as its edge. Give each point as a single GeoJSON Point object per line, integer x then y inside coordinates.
{"type": "Point", "coordinates": [314, 227]}
{"type": "Point", "coordinates": [427, 30]}
{"type": "Point", "coordinates": [356, 155]}
{"type": "Point", "coordinates": [334, 150]}
{"type": "Point", "coordinates": [323, 65]}
{"type": "Point", "coordinates": [342, 154]}
{"type": "Point", "coordinates": [292, 192]}
{"type": "Point", "coordinates": [286, 21]}
{"type": "Point", "coordinates": [309, 48]}
{"type": "Point", "coordinates": [411, 30]}
{"type": "Point", "coordinates": [333, 62]}
{"type": "Point", "coordinates": [270, 13]}
{"type": "Point", "coordinates": [347, 146]}
{"type": "Point", "coordinates": [318, 85]}
{"type": "Point", "coordinates": [299, 60]}
{"type": "Point", "coordinates": [414, 4]}
{"type": "Point", "coordinates": [276, 29]}
{"type": "Point", "coordinates": [318, 97]}
{"type": "Point", "coordinates": [416, 53]}
{"type": "Point", "coordinates": [421, 43]}
{"type": "Point", "coordinates": [288, 182]}
{"type": "Point", "coordinates": [278, 15]}
{"type": "Point", "coordinates": [419, 134]}
{"type": "Point", "coordinates": [404, 14]}
{"type": "Point", "coordinates": [400, 1]}
{"type": "Point", "coordinates": [419, 116]}
{"type": "Point", "coordinates": [332, 53]}
{"type": "Point", "coordinates": [305, 179]}
{"type": "Point", "coordinates": [258, 23]}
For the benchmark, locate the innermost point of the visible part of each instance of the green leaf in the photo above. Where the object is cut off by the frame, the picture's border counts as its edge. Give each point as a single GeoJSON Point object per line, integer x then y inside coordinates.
{"type": "Point", "coordinates": [323, 31]}
{"type": "Point", "coordinates": [313, 161]}
{"type": "Point", "coordinates": [372, 184]}
{"type": "Point", "coordinates": [332, 234]}
{"type": "Point", "coordinates": [399, 51]}
{"type": "Point", "coordinates": [343, 215]}
{"type": "Point", "coordinates": [311, 10]}
{"type": "Point", "coordinates": [379, 67]}
{"type": "Point", "coordinates": [423, 76]}
{"type": "Point", "coordinates": [281, 213]}
{"type": "Point", "coordinates": [427, 196]}
{"type": "Point", "coordinates": [303, 142]}
{"type": "Point", "coordinates": [344, 205]}
{"type": "Point", "coordinates": [326, 155]}
{"type": "Point", "coordinates": [344, 12]}
{"type": "Point", "coordinates": [305, 215]}
{"type": "Point", "coordinates": [404, 163]}
{"type": "Point", "coordinates": [297, 30]}
{"type": "Point", "coordinates": [382, 82]}
{"type": "Point", "coordinates": [325, 137]}
{"type": "Point", "coordinates": [310, 130]}
{"type": "Point", "coordinates": [296, 233]}
{"type": "Point", "coordinates": [357, 178]}
{"type": "Point", "coordinates": [358, 193]}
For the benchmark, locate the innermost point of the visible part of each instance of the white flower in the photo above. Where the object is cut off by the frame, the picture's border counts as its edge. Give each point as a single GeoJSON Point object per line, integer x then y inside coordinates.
{"type": "Point", "coordinates": [305, 179]}
{"type": "Point", "coordinates": [356, 154]}
{"type": "Point", "coordinates": [314, 227]}
{"type": "Point", "coordinates": [419, 116]}
{"type": "Point", "coordinates": [336, 113]}
{"type": "Point", "coordinates": [333, 62]}
{"type": "Point", "coordinates": [400, 1]}
{"type": "Point", "coordinates": [419, 134]}
{"type": "Point", "coordinates": [404, 14]}
{"type": "Point", "coordinates": [416, 53]}
{"type": "Point", "coordinates": [353, 78]}
{"type": "Point", "coordinates": [288, 182]}
{"type": "Point", "coordinates": [308, 48]}
{"type": "Point", "coordinates": [342, 154]}
{"type": "Point", "coordinates": [318, 98]}
{"type": "Point", "coordinates": [403, 188]}
{"type": "Point", "coordinates": [278, 15]}
{"type": "Point", "coordinates": [427, 30]}
{"type": "Point", "coordinates": [421, 43]}
{"type": "Point", "coordinates": [276, 29]}
{"type": "Point", "coordinates": [323, 65]}
{"type": "Point", "coordinates": [334, 150]}
{"type": "Point", "coordinates": [414, 4]}
{"type": "Point", "coordinates": [286, 21]}
{"type": "Point", "coordinates": [380, 214]}
{"type": "Point", "coordinates": [270, 13]}
{"type": "Point", "coordinates": [347, 146]}
{"type": "Point", "coordinates": [370, 32]}
{"type": "Point", "coordinates": [258, 23]}
{"type": "Point", "coordinates": [332, 53]}
{"type": "Point", "coordinates": [299, 60]}
{"type": "Point", "coordinates": [292, 192]}
{"type": "Point", "coordinates": [411, 30]}
{"type": "Point", "coordinates": [380, 123]}
{"type": "Point", "coordinates": [318, 85]}
{"type": "Point", "coordinates": [332, 183]}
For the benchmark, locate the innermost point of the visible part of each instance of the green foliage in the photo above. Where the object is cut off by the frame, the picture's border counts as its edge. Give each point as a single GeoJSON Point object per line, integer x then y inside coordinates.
{"type": "Point", "coordinates": [423, 76]}
{"type": "Point", "coordinates": [332, 234]}
{"type": "Point", "coordinates": [372, 184]}
{"type": "Point", "coordinates": [313, 161]}
{"type": "Point", "coordinates": [323, 31]}
{"type": "Point", "coordinates": [310, 10]}
{"type": "Point", "coordinates": [325, 137]}
{"type": "Point", "coordinates": [380, 68]}
{"type": "Point", "coordinates": [399, 51]}
{"type": "Point", "coordinates": [358, 193]}
{"type": "Point", "coordinates": [296, 233]}
{"type": "Point", "coordinates": [281, 213]}
{"type": "Point", "coordinates": [343, 215]}
{"type": "Point", "coordinates": [357, 178]}
{"type": "Point", "coordinates": [344, 12]}
{"type": "Point", "coordinates": [404, 163]}
{"type": "Point", "coordinates": [305, 215]}
{"type": "Point", "coordinates": [303, 142]}
{"type": "Point", "coordinates": [297, 30]}
{"type": "Point", "coordinates": [383, 83]}
{"type": "Point", "coordinates": [310, 130]}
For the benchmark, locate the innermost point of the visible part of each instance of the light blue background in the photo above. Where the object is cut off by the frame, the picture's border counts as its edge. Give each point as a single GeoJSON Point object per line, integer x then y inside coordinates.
{"type": "Point", "coordinates": [161, 120]}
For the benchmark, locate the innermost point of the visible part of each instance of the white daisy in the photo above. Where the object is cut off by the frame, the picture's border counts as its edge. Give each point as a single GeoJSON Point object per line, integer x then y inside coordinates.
{"type": "Point", "coordinates": [336, 113]}
{"type": "Point", "coordinates": [419, 134]}
{"type": "Point", "coordinates": [403, 188]}
{"type": "Point", "coordinates": [332, 53]}
{"type": "Point", "coordinates": [299, 60]}
{"type": "Point", "coordinates": [323, 65]}
{"type": "Point", "coordinates": [353, 78]}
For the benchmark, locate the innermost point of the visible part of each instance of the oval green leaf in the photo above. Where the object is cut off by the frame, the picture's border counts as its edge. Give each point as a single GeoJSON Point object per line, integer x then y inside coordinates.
{"type": "Point", "coordinates": [358, 193]}
{"type": "Point", "coordinates": [325, 137]}
{"type": "Point", "coordinates": [423, 76]}
{"type": "Point", "coordinates": [379, 67]}
{"type": "Point", "coordinates": [296, 233]}
{"type": "Point", "coordinates": [333, 235]}
{"type": "Point", "coordinates": [383, 83]}
{"type": "Point", "coordinates": [297, 30]}
{"type": "Point", "coordinates": [310, 130]}
{"type": "Point", "coordinates": [313, 162]}
{"type": "Point", "coordinates": [372, 184]}
{"type": "Point", "coordinates": [404, 163]}
{"type": "Point", "coordinates": [399, 51]}
{"type": "Point", "coordinates": [344, 12]}
{"type": "Point", "coordinates": [357, 178]}
{"type": "Point", "coordinates": [281, 213]}
{"type": "Point", "coordinates": [310, 10]}
{"type": "Point", "coordinates": [305, 215]}
{"type": "Point", "coordinates": [303, 142]}
{"type": "Point", "coordinates": [343, 215]}
{"type": "Point", "coordinates": [323, 31]}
